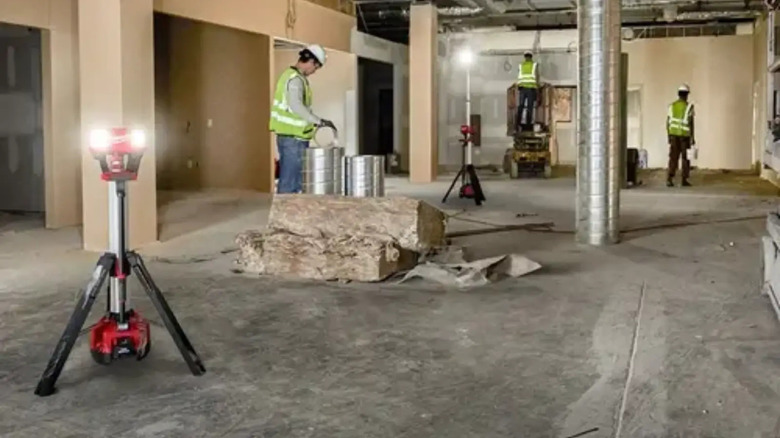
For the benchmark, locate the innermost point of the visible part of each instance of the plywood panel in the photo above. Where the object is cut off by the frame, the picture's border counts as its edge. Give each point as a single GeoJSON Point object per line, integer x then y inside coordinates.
{"type": "Point", "coordinates": [215, 95]}
{"type": "Point", "coordinates": [298, 20]}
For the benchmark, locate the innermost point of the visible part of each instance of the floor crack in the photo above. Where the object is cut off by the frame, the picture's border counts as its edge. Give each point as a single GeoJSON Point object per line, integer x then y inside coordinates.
{"type": "Point", "coordinates": [632, 357]}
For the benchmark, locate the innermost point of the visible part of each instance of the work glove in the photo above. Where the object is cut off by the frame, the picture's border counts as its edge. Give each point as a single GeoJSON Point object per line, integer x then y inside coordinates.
{"type": "Point", "coordinates": [327, 124]}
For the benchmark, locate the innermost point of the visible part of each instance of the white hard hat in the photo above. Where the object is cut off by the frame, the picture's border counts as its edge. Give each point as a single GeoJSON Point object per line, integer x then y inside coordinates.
{"type": "Point", "coordinates": [318, 52]}
{"type": "Point", "coordinates": [684, 88]}
{"type": "Point", "coordinates": [528, 52]}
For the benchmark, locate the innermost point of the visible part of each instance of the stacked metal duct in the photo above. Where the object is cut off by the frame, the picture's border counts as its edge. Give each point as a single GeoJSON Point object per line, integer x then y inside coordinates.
{"type": "Point", "coordinates": [322, 171]}
{"type": "Point", "coordinates": [365, 176]}
{"type": "Point", "coordinates": [339, 188]}
{"type": "Point", "coordinates": [599, 125]}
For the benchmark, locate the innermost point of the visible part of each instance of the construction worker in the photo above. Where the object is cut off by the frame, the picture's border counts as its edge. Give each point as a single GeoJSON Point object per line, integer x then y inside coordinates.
{"type": "Point", "coordinates": [527, 85]}
{"type": "Point", "coordinates": [292, 119]}
{"type": "Point", "coordinates": [679, 127]}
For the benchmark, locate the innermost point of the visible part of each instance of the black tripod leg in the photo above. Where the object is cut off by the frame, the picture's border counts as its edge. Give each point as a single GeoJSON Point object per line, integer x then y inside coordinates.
{"type": "Point", "coordinates": [169, 319]}
{"type": "Point", "coordinates": [65, 345]}
{"type": "Point", "coordinates": [454, 181]}
{"type": "Point", "coordinates": [479, 195]}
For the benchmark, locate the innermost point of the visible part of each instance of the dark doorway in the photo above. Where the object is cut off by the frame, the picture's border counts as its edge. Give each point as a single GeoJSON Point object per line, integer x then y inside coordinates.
{"type": "Point", "coordinates": [21, 125]}
{"type": "Point", "coordinates": [376, 114]}
{"type": "Point", "coordinates": [386, 121]}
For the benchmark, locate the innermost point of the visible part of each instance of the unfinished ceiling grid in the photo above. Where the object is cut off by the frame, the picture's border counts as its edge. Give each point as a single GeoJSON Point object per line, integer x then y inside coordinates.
{"type": "Point", "coordinates": [390, 18]}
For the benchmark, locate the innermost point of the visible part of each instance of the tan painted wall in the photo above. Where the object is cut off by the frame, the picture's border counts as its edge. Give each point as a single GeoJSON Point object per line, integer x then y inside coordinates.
{"type": "Point", "coordinates": [62, 157]}
{"type": "Point", "coordinates": [221, 75]}
{"type": "Point", "coordinates": [721, 89]}
{"type": "Point", "coordinates": [296, 20]}
{"type": "Point", "coordinates": [117, 89]}
{"type": "Point", "coordinates": [760, 117]}
{"type": "Point", "coordinates": [62, 77]}
{"type": "Point", "coordinates": [423, 115]}
{"type": "Point", "coordinates": [330, 84]}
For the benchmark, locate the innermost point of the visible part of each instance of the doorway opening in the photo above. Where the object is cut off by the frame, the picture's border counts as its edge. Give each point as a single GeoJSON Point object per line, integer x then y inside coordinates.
{"type": "Point", "coordinates": [376, 122]}
{"type": "Point", "coordinates": [211, 130]}
{"type": "Point", "coordinates": [22, 202]}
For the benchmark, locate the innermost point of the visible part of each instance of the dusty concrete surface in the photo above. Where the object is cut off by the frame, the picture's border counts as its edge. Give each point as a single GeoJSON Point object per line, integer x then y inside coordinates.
{"type": "Point", "coordinates": [542, 356]}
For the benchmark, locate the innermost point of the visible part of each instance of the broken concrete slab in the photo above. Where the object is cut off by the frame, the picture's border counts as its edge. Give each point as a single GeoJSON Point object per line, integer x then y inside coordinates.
{"type": "Point", "coordinates": [411, 224]}
{"type": "Point", "coordinates": [355, 258]}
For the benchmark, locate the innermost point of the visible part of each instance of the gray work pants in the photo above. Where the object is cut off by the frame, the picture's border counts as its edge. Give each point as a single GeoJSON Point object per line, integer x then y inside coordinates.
{"type": "Point", "coordinates": [526, 106]}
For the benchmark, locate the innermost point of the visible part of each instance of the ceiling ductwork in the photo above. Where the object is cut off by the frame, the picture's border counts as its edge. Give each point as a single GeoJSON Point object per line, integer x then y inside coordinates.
{"type": "Point", "coordinates": [490, 6]}
{"type": "Point", "coordinates": [390, 18]}
{"type": "Point", "coordinates": [403, 13]}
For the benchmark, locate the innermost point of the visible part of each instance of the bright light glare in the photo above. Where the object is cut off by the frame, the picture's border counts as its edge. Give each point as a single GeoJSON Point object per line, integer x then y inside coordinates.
{"type": "Point", "coordinates": [138, 138]}
{"type": "Point", "coordinates": [99, 139]}
{"type": "Point", "coordinates": [465, 56]}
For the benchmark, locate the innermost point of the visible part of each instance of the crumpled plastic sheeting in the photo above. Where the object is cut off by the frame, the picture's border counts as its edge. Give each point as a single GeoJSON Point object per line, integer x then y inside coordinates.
{"type": "Point", "coordinates": [450, 269]}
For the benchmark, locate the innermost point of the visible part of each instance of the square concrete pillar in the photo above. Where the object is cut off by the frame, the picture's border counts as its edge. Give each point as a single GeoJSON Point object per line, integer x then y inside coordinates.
{"type": "Point", "coordinates": [116, 68]}
{"type": "Point", "coordinates": [423, 136]}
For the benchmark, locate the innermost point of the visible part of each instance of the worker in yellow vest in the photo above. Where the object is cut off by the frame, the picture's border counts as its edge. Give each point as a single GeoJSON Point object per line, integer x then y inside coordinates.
{"type": "Point", "coordinates": [527, 86]}
{"type": "Point", "coordinates": [292, 119]}
{"type": "Point", "coordinates": [679, 127]}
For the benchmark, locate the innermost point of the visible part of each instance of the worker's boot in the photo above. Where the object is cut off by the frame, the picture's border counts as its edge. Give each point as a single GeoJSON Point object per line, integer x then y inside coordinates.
{"type": "Point", "coordinates": [669, 182]}
{"type": "Point", "coordinates": [685, 183]}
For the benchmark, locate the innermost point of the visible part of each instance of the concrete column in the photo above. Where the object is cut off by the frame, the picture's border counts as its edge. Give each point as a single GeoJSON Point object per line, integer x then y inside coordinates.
{"type": "Point", "coordinates": [116, 47]}
{"type": "Point", "coordinates": [423, 136]}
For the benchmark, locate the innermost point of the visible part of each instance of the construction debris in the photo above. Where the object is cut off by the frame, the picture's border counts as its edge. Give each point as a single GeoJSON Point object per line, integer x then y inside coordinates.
{"type": "Point", "coordinates": [410, 223]}
{"type": "Point", "coordinates": [357, 258]}
{"type": "Point", "coordinates": [451, 269]}
{"type": "Point", "coordinates": [339, 238]}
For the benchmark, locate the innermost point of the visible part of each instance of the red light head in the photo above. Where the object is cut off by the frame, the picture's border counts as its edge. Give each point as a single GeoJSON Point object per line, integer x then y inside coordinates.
{"type": "Point", "coordinates": [119, 151]}
{"type": "Point", "coordinates": [465, 129]}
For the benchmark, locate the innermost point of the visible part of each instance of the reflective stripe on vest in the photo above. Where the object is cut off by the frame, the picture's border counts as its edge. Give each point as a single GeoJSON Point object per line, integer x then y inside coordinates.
{"type": "Point", "coordinates": [680, 118]}
{"type": "Point", "coordinates": [526, 76]}
{"type": "Point", "coordinates": [283, 120]}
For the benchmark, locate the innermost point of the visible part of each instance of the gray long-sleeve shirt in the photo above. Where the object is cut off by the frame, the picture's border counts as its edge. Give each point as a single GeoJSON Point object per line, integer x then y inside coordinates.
{"type": "Point", "coordinates": [295, 91]}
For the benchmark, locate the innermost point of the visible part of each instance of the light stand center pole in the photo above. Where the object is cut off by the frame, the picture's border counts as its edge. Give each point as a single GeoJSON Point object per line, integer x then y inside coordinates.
{"type": "Point", "coordinates": [470, 143]}
{"type": "Point", "coordinates": [117, 243]}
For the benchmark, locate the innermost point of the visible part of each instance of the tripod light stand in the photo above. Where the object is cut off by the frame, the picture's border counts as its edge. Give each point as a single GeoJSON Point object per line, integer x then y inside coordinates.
{"type": "Point", "coordinates": [470, 186]}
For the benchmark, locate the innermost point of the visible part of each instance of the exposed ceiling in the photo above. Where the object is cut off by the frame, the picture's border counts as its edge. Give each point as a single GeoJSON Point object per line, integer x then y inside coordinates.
{"type": "Point", "coordinates": [390, 18]}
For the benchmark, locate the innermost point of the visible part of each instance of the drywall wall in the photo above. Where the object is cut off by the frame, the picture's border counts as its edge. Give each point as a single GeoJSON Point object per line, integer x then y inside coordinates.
{"type": "Point", "coordinates": [116, 74]}
{"type": "Point", "coordinates": [21, 127]}
{"type": "Point", "coordinates": [724, 109]}
{"type": "Point", "coordinates": [59, 48]}
{"type": "Point", "coordinates": [296, 20]}
{"type": "Point", "coordinates": [377, 49]}
{"type": "Point", "coordinates": [212, 100]}
{"type": "Point", "coordinates": [333, 86]}
{"type": "Point", "coordinates": [760, 81]}
{"type": "Point", "coordinates": [424, 106]}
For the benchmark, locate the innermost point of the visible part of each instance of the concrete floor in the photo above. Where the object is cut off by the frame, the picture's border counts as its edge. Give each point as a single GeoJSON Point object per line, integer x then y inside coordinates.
{"type": "Point", "coordinates": [664, 335]}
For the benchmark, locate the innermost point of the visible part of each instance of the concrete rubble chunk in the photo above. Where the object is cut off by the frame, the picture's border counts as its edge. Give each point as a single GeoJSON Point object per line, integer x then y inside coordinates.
{"type": "Point", "coordinates": [411, 224]}
{"type": "Point", "coordinates": [357, 258]}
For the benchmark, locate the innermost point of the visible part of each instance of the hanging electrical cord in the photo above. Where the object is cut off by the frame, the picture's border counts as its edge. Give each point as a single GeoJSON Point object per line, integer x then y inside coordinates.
{"type": "Point", "coordinates": [537, 47]}
{"type": "Point", "coordinates": [507, 65]}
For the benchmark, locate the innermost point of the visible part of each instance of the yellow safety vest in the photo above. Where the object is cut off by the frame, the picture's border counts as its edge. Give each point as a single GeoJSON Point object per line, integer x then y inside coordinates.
{"type": "Point", "coordinates": [526, 76]}
{"type": "Point", "coordinates": [680, 116]}
{"type": "Point", "coordinates": [283, 120]}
